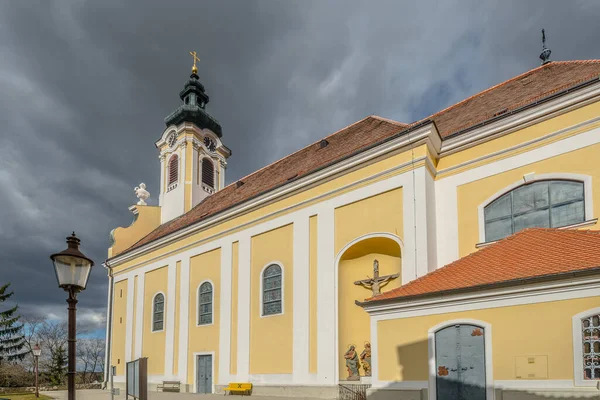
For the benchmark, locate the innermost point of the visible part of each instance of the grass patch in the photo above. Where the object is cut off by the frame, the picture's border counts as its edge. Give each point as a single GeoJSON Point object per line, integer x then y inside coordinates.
{"type": "Point", "coordinates": [23, 396]}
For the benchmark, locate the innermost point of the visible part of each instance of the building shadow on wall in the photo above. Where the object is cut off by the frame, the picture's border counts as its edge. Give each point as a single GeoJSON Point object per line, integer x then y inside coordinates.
{"type": "Point", "coordinates": [413, 370]}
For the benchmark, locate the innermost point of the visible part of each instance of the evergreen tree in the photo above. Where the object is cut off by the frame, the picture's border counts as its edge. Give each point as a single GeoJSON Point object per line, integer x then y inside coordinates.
{"type": "Point", "coordinates": [58, 366]}
{"type": "Point", "coordinates": [12, 341]}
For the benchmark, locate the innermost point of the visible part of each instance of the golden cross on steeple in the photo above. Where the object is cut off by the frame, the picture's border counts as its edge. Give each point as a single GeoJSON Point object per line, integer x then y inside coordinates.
{"type": "Point", "coordinates": [195, 57]}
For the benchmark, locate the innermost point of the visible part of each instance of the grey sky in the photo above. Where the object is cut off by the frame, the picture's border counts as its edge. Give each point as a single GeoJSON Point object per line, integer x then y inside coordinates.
{"type": "Point", "coordinates": [85, 85]}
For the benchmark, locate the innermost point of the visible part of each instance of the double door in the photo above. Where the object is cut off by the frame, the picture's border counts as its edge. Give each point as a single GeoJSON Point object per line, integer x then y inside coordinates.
{"type": "Point", "coordinates": [460, 363]}
{"type": "Point", "coordinates": [204, 374]}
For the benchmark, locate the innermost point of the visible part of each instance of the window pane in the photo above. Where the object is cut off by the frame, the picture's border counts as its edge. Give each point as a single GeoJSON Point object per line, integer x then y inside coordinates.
{"type": "Point", "coordinates": [158, 307]}
{"type": "Point", "coordinates": [566, 191]}
{"type": "Point", "coordinates": [206, 319]}
{"type": "Point", "coordinates": [498, 208]}
{"type": "Point", "coordinates": [539, 219]}
{"type": "Point", "coordinates": [205, 297]}
{"type": "Point", "coordinates": [206, 287]}
{"type": "Point", "coordinates": [530, 197]}
{"type": "Point", "coordinates": [272, 308]}
{"type": "Point", "coordinates": [272, 283]}
{"type": "Point", "coordinates": [272, 270]}
{"type": "Point", "coordinates": [498, 229]}
{"type": "Point", "coordinates": [205, 308]}
{"type": "Point", "coordinates": [570, 213]}
{"type": "Point", "coordinates": [272, 295]}
{"type": "Point", "coordinates": [157, 325]}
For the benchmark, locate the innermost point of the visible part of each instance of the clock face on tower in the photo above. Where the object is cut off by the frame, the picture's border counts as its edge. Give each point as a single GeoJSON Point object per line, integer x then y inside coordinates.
{"type": "Point", "coordinates": [172, 139]}
{"type": "Point", "coordinates": [210, 144]}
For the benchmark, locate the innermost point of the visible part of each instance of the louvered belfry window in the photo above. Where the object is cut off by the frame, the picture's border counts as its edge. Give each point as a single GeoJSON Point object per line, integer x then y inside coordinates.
{"type": "Point", "coordinates": [590, 327]}
{"type": "Point", "coordinates": [173, 169]}
{"type": "Point", "coordinates": [208, 173]}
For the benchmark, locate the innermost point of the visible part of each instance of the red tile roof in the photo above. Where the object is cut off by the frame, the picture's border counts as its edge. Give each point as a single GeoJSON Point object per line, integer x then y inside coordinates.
{"type": "Point", "coordinates": [528, 254]}
{"type": "Point", "coordinates": [507, 96]}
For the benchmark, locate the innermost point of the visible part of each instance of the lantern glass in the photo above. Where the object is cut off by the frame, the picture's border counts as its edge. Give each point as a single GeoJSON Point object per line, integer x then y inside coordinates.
{"type": "Point", "coordinates": [37, 351]}
{"type": "Point", "coordinates": [72, 271]}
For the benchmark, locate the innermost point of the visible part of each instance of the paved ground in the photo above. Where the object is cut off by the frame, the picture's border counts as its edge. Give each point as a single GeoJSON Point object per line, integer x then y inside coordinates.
{"type": "Point", "coordinates": [105, 395]}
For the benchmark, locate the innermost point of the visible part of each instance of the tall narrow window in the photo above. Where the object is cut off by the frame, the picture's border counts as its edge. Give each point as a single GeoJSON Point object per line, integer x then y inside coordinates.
{"type": "Point", "coordinates": [208, 173]}
{"type": "Point", "coordinates": [158, 312]}
{"type": "Point", "coordinates": [590, 328]}
{"type": "Point", "coordinates": [173, 169]}
{"type": "Point", "coordinates": [271, 290]}
{"type": "Point", "coordinates": [205, 304]}
{"type": "Point", "coordinates": [544, 204]}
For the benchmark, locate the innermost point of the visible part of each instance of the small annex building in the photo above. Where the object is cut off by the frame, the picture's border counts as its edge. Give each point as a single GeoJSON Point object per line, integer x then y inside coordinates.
{"type": "Point", "coordinates": [453, 257]}
{"type": "Point", "coordinates": [507, 318]}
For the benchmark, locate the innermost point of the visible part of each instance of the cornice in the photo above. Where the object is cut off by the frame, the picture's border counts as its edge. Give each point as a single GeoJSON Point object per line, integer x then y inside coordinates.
{"type": "Point", "coordinates": [522, 118]}
{"type": "Point", "coordinates": [543, 285]}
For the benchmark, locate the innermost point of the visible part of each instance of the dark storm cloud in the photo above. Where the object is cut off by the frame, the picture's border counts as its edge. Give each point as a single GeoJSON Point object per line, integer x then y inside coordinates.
{"type": "Point", "coordinates": [84, 88]}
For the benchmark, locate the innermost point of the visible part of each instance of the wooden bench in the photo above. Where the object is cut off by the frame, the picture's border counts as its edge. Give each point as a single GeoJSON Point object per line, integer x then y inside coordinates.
{"type": "Point", "coordinates": [242, 387]}
{"type": "Point", "coordinates": [169, 386]}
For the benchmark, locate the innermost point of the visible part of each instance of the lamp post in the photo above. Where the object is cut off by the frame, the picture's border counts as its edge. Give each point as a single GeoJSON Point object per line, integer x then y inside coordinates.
{"type": "Point", "coordinates": [37, 351]}
{"type": "Point", "coordinates": [72, 270]}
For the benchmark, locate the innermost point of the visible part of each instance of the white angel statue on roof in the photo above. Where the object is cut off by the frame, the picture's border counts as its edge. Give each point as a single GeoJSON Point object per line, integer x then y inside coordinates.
{"type": "Point", "coordinates": [142, 194]}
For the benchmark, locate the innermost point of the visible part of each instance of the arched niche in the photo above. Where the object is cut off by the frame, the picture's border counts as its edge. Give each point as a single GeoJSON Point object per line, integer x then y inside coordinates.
{"type": "Point", "coordinates": [355, 263]}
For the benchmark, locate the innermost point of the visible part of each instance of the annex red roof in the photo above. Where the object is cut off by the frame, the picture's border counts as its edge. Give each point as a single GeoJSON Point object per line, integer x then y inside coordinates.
{"type": "Point", "coordinates": [530, 253]}
{"type": "Point", "coordinates": [519, 91]}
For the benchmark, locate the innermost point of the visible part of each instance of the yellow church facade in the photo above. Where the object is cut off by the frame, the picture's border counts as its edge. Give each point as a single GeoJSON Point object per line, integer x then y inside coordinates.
{"type": "Point", "coordinates": [258, 281]}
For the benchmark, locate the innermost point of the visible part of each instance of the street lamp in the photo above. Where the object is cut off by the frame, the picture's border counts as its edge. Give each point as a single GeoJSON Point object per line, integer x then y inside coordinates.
{"type": "Point", "coordinates": [37, 351]}
{"type": "Point", "coordinates": [72, 269]}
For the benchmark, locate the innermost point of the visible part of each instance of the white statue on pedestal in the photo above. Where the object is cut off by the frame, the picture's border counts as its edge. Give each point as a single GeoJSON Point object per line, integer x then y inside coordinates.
{"type": "Point", "coordinates": [141, 194]}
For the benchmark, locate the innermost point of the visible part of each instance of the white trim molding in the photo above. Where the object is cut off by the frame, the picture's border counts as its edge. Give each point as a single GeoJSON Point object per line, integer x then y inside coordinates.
{"type": "Point", "coordinates": [578, 348]}
{"type": "Point", "coordinates": [262, 271]}
{"type": "Point", "coordinates": [197, 305]}
{"type": "Point", "coordinates": [212, 365]}
{"type": "Point", "coordinates": [533, 177]}
{"type": "Point", "coordinates": [487, 338]}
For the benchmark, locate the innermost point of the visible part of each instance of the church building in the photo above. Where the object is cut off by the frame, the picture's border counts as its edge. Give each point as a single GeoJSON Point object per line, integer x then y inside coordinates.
{"type": "Point", "coordinates": [455, 257]}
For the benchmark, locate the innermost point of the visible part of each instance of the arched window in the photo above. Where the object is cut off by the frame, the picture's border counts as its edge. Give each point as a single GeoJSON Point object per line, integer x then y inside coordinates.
{"type": "Point", "coordinates": [272, 280]}
{"type": "Point", "coordinates": [205, 304]}
{"type": "Point", "coordinates": [590, 337]}
{"type": "Point", "coordinates": [208, 173]}
{"type": "Point", "coordinates": [545, 204]}
{"type": "Point", "coordinates": [158, 312]}
{"type": "Point", "coordinates": [173, 169]}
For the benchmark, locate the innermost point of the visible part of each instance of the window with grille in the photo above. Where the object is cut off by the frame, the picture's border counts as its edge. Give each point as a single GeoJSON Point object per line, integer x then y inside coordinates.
{"type": "Point", "coordinates": [590, 327]}
{"type": "Point", "coordinates": [158, 312]}
{"type": "Point", "coordinates": [173, 169]}
{"type": "Point", "coordinates": [544, 204]}
{"type": "Point", "coordinates": [208, 173]}
{"type": "Point", "coordinates": [205, 304]}
{"type": "Point", "coordinates": [271, 290]}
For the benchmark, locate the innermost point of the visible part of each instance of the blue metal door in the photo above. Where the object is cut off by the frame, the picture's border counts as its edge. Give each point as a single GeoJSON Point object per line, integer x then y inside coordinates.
{"type": "Point", "coordinates": [204, 374]}
{"type": "Point", "coordinates": [460, 363]}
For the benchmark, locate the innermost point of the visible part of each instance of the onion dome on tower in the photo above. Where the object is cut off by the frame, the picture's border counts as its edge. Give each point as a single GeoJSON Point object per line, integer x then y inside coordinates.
{"type": "Point", "coordinates": [193, 110]}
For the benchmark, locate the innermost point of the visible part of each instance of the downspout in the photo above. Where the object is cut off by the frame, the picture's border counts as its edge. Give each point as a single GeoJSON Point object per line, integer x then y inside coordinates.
{"type": "Point", "coordinates": [109, 318]}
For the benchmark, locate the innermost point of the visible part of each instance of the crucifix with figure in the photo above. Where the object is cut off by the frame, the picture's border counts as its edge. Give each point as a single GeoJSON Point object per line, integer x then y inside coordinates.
{"type": "Point", "coordinates": [377, 281]}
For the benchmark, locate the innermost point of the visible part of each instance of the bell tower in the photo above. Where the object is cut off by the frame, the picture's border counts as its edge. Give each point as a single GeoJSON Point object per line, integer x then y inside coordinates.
{"type": "Point", "coordinates": [192, 155]}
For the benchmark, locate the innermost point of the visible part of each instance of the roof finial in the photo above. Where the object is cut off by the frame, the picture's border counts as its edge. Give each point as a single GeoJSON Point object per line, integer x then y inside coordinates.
{"type": "Point", "coordinates": [545, 55]}
{"type": "Point", "coordinates": [195, 57]}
